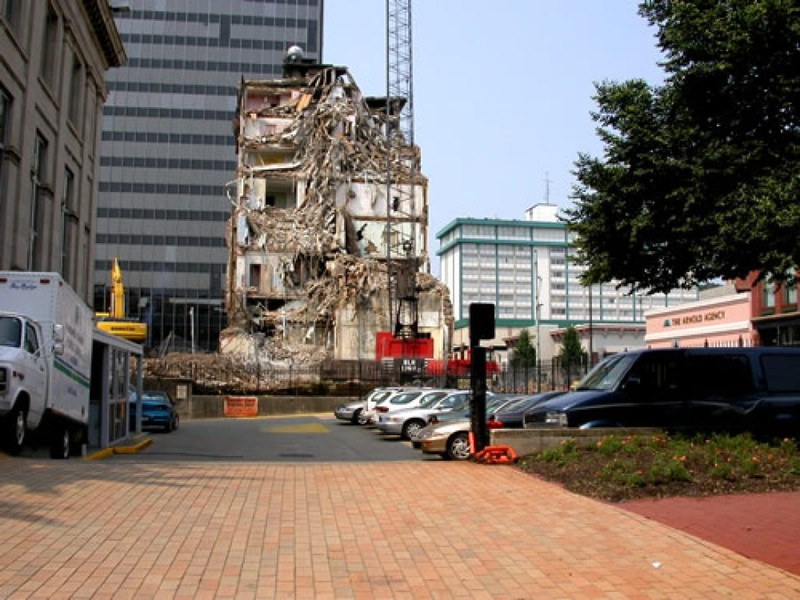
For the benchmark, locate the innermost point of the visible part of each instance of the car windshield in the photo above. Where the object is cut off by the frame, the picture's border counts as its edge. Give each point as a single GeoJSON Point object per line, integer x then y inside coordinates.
{"type": "Point", "coordinates": [430, 400]}
{"type": "Point", "coordinates": [404, 398]}
{"type": "Point", "coordinates": [608, 373]}
{"type": "Point", "coordinates": [455, 401]}
{"type": "Point", "coordinates": [10, 332]}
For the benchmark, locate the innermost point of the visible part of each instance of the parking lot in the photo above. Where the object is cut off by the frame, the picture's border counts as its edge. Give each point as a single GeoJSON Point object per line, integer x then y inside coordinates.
{"type": "Point", "coordinates": [411, 528]}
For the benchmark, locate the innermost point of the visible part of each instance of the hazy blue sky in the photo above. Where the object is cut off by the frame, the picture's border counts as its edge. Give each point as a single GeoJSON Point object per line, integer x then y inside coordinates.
{"type": "Point", "coordinates": [502, 91]}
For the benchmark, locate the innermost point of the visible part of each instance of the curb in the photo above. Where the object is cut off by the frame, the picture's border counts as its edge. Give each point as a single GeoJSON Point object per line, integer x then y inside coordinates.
{"type": "Point", "coordinates": [132, 449]}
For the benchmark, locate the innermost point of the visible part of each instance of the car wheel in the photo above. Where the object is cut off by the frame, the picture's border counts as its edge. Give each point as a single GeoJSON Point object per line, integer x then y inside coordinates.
{"type": "Point", "coordinates": [362, 418]}
{"type": "Point", "coordinates": [411, 427]}
{"type": "Point", "coordinates": [356, 418]}
{"type": "Point", "coordinates": [60, 442]}
{"type": "Point", "coordinates": [458, 446]}
{"type": "Point", "coordinates": [17, 432]}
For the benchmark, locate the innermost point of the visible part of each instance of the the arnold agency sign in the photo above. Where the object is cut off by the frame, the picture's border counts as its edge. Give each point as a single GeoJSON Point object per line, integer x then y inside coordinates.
{"type": "Point", "coordinates": [698, 318]}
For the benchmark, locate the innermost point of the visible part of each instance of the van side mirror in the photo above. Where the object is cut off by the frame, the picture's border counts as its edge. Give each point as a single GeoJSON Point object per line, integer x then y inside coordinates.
{"type": "Point", "coordinates": [58, 339]}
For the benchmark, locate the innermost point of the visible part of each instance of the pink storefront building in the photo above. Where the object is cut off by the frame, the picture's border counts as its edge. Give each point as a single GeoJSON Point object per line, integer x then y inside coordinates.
{"type": "Point", "coordinates": [716, 321]}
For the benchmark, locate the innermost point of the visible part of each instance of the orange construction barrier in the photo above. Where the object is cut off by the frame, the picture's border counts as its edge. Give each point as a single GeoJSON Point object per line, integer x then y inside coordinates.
{"type": "Point", "coordinates": [496, 455]}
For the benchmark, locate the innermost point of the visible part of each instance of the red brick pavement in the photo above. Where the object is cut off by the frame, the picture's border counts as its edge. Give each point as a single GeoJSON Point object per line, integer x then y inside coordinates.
{"type": "Point", "coordinates": [761, 526]}
{"type": "Point", "coordinates": [408, 530]}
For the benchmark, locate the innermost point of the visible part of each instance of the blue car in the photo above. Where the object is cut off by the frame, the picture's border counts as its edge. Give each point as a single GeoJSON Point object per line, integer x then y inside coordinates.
{"type": "Point", "coordinates": [158, 412]}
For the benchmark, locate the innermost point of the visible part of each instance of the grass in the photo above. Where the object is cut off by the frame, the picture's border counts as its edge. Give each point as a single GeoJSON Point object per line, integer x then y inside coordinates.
{"type": "Point", "coordinates": [619, 468]}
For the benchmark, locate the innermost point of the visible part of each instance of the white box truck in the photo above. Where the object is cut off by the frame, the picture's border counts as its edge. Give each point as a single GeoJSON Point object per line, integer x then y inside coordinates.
{"type": "Point", "coordinates": [45, 363]}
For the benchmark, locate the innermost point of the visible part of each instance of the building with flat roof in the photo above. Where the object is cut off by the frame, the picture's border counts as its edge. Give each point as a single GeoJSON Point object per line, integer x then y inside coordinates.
{"type": "Point", "coordinates": [524, 268]}
{"type": "Point", "coordinates": [168, 151]}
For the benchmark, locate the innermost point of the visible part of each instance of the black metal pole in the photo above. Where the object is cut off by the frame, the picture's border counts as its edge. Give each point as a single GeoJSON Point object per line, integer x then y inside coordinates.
{"type": "Point", "coordinates": [478, 385]}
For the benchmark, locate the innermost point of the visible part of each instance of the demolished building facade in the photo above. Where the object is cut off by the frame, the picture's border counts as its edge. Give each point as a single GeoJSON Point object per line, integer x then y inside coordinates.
{"type": "Point", "coordinates": [329, 223]}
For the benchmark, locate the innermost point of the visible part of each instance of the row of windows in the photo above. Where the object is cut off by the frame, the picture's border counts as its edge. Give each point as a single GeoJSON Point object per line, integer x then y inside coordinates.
{"type": "Point", "coordinates": [151, 137]}
{"type": "Point", "coordinates": [168, 113]}
{"type": "Point", "coordinates": [164, 267]}
{"type": "Point", "coordinates": [161, 214]}
{"type": "Point", "coordinates": [192, 164]}
{"type": "Point", "coordinates": [172, 88]}
{"type": "Point", "coordinates": [202, 42]}
{"type": "Point", "coordinates": [170, 189]}
{"type": "Point", "coordinates": [206, 18]}
{"type": "Point", "coordinates": [160, 240]}
{"type": "Point", "coordinates": [204, 65]}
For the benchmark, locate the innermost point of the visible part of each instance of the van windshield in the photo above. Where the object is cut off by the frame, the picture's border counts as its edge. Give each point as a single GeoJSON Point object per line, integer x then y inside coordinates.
{"type": "Point", "coordinates": [608, 373]}
{"type": "Point", "coordinates": [10, 332]}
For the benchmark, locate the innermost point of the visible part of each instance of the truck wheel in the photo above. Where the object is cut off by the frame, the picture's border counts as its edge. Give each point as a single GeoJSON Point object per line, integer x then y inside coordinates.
{"type": "Point", "coordinates": [60, 442]}
{"type": "Point", "coordinates": [16, 430]}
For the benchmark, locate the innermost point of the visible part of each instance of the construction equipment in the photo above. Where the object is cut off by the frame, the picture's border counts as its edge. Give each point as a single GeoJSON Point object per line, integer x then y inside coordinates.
{"type": "Point", "coordinates": [116, 321]}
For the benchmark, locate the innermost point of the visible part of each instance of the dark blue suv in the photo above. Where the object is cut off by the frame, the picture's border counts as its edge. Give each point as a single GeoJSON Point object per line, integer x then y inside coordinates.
{"type": "Point", "coordinates": [703, 389]}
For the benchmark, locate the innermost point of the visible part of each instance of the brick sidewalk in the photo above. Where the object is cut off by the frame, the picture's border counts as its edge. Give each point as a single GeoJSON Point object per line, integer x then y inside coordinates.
{"type": "Point", "coordinates": [106, 529]}
{"type": "Point", "coordinates": [761, 526]}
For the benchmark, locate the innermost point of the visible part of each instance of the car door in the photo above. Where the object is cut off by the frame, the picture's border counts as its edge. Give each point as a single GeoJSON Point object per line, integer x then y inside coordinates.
{"type": "Point", "coordinates": [35, 371]}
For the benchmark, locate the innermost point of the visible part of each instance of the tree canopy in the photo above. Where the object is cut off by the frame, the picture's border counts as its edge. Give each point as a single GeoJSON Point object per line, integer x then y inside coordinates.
{"type": "Point", "coordinates": [699, 176]}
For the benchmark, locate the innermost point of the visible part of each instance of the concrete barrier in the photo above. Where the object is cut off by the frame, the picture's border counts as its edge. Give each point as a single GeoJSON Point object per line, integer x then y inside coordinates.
{"type": "Point", "coordinates": [210, 407]}
{"type": "Point", "coordinates": [528, 441]}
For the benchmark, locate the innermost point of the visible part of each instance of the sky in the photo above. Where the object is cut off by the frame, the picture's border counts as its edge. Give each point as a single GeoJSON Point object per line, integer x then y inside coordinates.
{"type": "Point", "coordinates": [502, 95]}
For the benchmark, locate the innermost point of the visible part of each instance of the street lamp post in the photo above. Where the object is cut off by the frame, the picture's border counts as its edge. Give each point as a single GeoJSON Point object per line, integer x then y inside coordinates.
{"type": "Point", "coordinates": [537, 318]}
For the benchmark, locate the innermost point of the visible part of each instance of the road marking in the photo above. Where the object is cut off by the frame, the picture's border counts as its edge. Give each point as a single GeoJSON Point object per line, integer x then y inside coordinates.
{"type": "Point", "coordinates": [302, 428]}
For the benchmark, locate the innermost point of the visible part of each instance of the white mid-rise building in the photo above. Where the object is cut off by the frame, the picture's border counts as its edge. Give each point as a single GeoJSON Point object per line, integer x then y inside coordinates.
{"type": "Point", "coordinates": [525, 268]}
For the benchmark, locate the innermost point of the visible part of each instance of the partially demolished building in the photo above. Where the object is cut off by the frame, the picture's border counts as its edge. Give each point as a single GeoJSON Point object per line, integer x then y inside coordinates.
{"type": "Point", "coordinates": [329, 223]}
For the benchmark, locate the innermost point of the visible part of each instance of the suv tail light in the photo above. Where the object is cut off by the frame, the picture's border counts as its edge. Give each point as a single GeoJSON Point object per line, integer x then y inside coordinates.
{"type": "Point", "coordinates": [382, 409]}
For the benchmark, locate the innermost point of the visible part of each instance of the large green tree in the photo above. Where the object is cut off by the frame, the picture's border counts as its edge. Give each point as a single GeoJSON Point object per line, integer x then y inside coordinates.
{"type": "Point", "coordinates": [699, 177]}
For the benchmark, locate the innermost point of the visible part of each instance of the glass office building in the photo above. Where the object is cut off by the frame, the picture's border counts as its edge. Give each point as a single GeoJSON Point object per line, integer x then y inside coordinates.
{"type": "Point", "coordinates": [168, 151]}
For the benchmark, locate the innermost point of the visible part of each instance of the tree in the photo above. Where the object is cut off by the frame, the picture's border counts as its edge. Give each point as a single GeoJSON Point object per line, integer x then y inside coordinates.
{"type": "Point", "coordinates": [524, 354]}
{"type": "Point", "coordinates": [699, 176]}
{"type": "Point", "coordinates": [572, 354]}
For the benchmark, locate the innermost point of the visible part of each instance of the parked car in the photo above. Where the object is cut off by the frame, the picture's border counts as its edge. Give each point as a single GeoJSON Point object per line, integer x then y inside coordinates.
{"type": "Point", "coordinates": [510, 416]}
{"type": "Point", "coordinates": [455, 424]}
{"type": "Point", "coordinates": [494, 402]}
{"type": "Point", "coordinates": [407, 422]}
{"type": "Point", "coordinates": [700, 389]}
{"type": "Point", "coordinates": [352, 411]}
{"type": "Point", "coordinates": [448, 438]}
{"type": "Point", "coordinates": [410, 399]}
{"type": "Point", "coordinates": [369, 414]}
{"type": "Point", "coordinates": [158, 411]}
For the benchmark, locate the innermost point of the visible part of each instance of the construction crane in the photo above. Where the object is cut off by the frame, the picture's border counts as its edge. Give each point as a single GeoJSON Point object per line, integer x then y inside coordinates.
{"type": "Point", "coordinates": [404, 344]}
{"type": "Point", "coordinates": [403, 265]}
{"type": "Point", "coordinates": [116, 321]}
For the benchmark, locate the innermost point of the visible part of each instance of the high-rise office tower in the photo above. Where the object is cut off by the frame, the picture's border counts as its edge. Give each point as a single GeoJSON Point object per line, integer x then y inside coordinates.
{"type": "Point", "coordinates": [168, 151]}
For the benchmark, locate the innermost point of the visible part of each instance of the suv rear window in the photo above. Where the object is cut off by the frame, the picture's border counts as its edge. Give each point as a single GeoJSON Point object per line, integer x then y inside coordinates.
{"type": "Point", "coordinates": [782, 372]}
